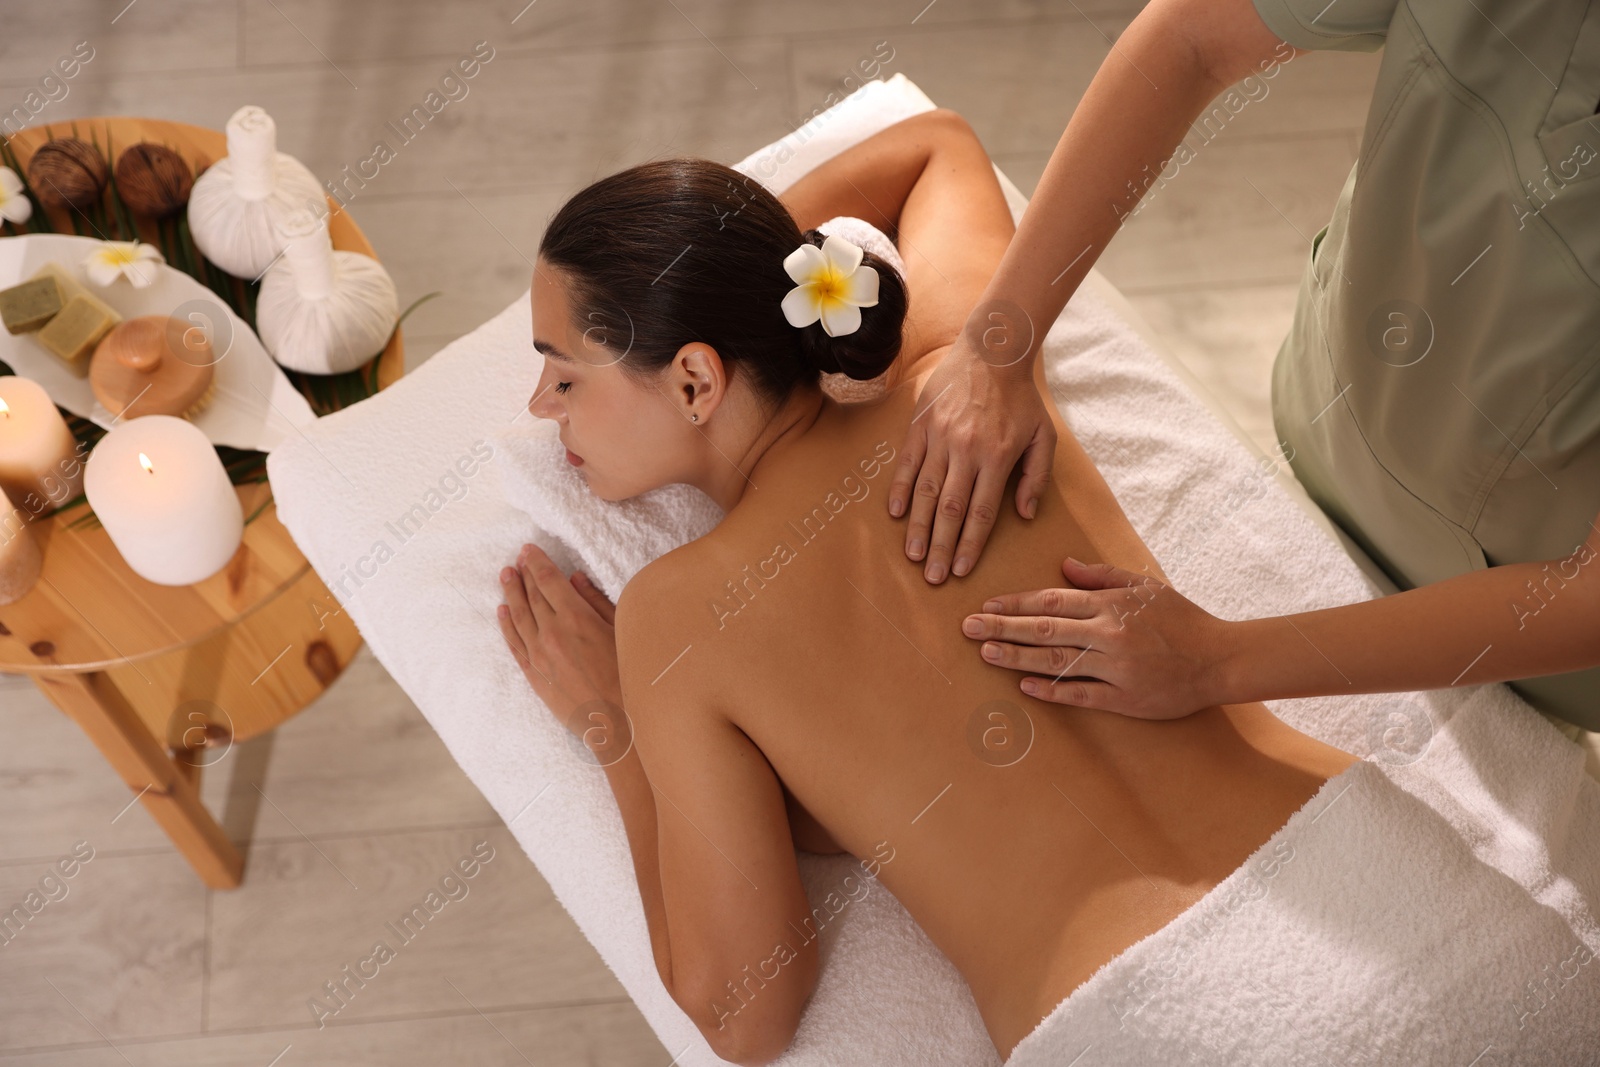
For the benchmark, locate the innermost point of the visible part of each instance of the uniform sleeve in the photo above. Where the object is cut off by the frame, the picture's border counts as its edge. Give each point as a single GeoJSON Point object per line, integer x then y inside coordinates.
{"type": "Point", "coordinates": [1345, 25]}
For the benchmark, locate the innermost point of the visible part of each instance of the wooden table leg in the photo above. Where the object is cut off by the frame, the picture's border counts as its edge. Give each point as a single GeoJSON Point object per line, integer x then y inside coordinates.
{"type": "Point", "coordinates": [168, 793]}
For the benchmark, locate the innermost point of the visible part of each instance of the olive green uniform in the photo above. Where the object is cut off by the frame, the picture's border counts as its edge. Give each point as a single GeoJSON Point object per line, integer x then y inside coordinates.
{"type": "Point", "coordinates": [1440, 386]}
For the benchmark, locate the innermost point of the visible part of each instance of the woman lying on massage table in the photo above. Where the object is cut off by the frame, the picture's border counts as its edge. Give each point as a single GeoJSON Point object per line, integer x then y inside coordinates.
{"type": "Point", "coordinates": [790, 679]}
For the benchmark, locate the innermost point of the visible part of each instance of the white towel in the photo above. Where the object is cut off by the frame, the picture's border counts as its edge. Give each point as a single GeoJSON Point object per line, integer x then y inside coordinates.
{"type": "Point", "coordinates": [379, 498]}
{"type": "Point", "coordinates": [1364, 931]}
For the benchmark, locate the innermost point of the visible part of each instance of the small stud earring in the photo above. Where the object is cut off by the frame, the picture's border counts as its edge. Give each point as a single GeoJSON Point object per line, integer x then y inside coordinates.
{"type": "Point", "coordinates": [695, 417]}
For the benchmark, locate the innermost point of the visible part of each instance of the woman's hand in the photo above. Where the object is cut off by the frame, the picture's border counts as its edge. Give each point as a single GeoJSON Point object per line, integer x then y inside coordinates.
{"type": "Point", "coordinates": [976, 419]}
{"type": "Point", "coordinates": [1125, 642]}
{"type": "Point", "coordinates": [563, 636]}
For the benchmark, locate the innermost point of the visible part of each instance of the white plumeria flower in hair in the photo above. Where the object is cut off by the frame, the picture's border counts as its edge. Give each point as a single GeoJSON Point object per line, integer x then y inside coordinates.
{"type": "Point", "coordinates": [833, 286]}
{"type": "Point", "coordinates": [133, 260]}
{"type": "Point", "coordinates": [14, 203]}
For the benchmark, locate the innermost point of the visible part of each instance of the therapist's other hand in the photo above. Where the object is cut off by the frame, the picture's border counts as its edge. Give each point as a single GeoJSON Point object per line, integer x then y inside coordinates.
{"type": "Point", "coordinates": [974, 421]}
{"type": "Point", "coordinates": [1115, 640]}
{"type": "Point", "coordinates": [563, 636]}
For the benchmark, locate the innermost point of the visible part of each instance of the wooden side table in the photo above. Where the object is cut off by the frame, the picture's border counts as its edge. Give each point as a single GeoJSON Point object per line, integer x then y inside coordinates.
{"type": "Point", "coordinates": [158, 675]}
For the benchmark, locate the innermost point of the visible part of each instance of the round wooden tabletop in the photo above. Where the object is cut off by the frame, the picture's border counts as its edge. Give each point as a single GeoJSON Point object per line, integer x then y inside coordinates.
{"type": "Point", "coordinates": [89, 610]}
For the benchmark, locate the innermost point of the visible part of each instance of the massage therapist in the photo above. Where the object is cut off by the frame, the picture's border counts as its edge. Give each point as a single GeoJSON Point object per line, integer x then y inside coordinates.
{"type": "Point", "coordinates": [1439, 390]}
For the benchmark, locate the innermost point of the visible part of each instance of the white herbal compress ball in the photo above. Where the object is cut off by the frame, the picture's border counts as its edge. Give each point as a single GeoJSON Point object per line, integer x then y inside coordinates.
{"type": "Point", "coordinates": [321, 311]}
{"type": "Point", "coordinates": [237, 202]}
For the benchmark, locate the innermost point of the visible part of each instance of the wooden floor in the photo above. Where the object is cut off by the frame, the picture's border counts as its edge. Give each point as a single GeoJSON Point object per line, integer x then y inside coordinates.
{"type": "Point", "coordinates": [353, 811]}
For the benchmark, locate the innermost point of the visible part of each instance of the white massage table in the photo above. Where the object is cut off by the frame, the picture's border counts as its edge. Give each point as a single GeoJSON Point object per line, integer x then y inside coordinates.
{"type": "Point", "coordinates": [1232, 530]}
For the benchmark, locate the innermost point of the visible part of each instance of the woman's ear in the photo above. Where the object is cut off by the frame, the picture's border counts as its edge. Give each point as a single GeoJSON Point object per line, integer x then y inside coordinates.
{"type": "Point", "coordinates": [698, 380]}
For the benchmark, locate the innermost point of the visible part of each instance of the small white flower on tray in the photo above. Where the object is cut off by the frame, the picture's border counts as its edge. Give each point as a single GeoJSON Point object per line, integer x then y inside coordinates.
{"type": "Point", "coordinates": [834, 286]}
{"type": "Point", "coordinates": [139, 263]}
{"type": "Point", "coordinates": [14, 203]}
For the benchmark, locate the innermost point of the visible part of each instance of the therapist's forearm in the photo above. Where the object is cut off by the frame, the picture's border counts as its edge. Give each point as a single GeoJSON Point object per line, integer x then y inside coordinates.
{"type": "Point", "coordinates": [1137, 110]}
{"type": "Point", "coordinates": [1514, 621]}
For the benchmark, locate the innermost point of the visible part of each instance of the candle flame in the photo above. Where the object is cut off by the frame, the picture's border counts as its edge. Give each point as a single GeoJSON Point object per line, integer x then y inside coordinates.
{"type": "Point", "coordinates": [5, 409]}
{"type": "Point", "coordinates": [144, 461]}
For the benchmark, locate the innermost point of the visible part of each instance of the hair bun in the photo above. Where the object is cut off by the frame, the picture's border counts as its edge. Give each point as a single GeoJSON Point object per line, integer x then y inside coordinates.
{"type": "Point", "coordinates": [871, 349]}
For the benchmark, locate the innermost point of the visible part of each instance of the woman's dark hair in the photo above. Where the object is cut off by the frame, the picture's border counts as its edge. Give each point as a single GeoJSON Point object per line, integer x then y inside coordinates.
{"type": "Point", "coordinates": [682, 250]}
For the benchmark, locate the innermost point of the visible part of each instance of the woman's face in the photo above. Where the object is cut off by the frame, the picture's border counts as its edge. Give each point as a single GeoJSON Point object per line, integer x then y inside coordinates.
{"type": "Point", "coordinates": [624, 436]}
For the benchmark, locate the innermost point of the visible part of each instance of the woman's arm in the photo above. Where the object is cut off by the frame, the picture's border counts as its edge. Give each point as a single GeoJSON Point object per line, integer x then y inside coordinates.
{"type": "Point", "coordinates": [1517, 620]}
{"type": "Point", "coordinates": [705, 816]}
{"type": "Point", "coordinates": [1173, 60]}
{"type": "Point", "coordinates": [709, 831]}
{"type": "Point", "coordinates": [928, 184]}
{"type": "Point", "coordinates": [1134, 645]}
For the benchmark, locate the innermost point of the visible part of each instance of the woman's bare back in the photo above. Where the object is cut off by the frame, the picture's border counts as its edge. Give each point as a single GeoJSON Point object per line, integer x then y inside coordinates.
{"type": "Point", "coordinates": [1031, 841]}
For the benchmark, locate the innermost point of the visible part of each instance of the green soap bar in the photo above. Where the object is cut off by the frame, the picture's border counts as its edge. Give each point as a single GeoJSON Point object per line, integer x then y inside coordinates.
{"type": "Point", "coordinates": [70, 288]}
{"type": "Point", "coordinates": [29, 306]}
{"type": "Point", "coordinates": [73, 334]}
{"type": "Point", "coordinates": [69, 285]}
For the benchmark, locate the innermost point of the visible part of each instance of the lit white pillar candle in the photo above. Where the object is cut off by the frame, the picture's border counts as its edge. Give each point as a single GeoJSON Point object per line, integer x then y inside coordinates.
{"type": "Point", "coordinates": [20, 561]}
{"type": "Point", "coordinates": [162, 494]}
{"type": "Point", "coordinates": [39, 465]}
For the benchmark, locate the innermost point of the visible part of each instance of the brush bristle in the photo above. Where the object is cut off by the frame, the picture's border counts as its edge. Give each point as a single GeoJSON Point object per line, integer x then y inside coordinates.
{"type": "Point", "coordinates": [205, 399]}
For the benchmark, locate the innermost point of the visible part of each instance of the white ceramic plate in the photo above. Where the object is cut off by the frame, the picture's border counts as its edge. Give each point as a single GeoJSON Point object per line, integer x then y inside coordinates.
{"type": "Point", "coordinates": [255, 405]}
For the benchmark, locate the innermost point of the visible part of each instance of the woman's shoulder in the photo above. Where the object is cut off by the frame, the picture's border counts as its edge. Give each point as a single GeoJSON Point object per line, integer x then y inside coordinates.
{"type": "Point", "coordinates": [664, 613]}
{"type": "Point", "coordinates": [653, 586]}
{"type": "Point", "coordinates": [663, 595]}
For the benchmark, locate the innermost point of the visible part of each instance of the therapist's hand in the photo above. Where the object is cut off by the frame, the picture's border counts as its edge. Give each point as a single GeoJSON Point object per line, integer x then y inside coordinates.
{"type": "Point", "coordinates": [1112, 640]}
{"type": "Point", "coordinates": [563, 636]}
{"type": "Point", "coordinates": [974, 421]}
